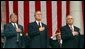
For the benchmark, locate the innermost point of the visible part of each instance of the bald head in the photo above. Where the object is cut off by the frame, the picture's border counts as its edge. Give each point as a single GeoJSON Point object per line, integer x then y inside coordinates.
{"type": "Point", "coordinates": [69, 20]}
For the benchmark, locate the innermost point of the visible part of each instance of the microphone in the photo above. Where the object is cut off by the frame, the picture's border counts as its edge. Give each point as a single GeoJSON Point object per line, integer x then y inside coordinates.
{"type": "Point", "coordinates": [17, 37]}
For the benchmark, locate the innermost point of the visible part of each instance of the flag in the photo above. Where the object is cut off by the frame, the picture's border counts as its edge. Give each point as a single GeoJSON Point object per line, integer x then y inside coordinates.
{"type": "Point", "coordinates": [53, 13]}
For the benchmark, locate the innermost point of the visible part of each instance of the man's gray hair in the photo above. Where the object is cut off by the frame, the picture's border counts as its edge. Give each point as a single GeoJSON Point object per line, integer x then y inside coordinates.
{"type": "Point", "coordinates": [12, 14]}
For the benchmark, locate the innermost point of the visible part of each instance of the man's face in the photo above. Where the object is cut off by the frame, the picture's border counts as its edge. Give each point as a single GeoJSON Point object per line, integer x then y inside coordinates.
{"type": "Point", "coordinates": [38, 16]}
{"type": "Point", "coordinates": [14, 18]}
{"type": "Point", "coordinates": [69, 20]}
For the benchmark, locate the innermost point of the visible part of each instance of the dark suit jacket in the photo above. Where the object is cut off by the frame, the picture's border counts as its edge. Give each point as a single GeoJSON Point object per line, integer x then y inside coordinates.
{"type": "Point", "coordinates": [38, 39]}
{"type": "Point", "coordinates": [81, 41]}
{"type": "Point", "coordinates": [54, 43]}
{"type": "Point", "coordinates": [70, 41]}
{"type": "Point", "coordinates": [11, 36]}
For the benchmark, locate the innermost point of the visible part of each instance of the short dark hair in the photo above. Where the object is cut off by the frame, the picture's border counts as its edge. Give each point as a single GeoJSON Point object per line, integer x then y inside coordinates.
{"type": "Point", "coordinates": [36, 11]}
{"type": "Point", "coordinates": [12, 14]}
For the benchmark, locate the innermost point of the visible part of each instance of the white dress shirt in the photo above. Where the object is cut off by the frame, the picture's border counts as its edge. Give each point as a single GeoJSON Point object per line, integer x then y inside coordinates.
{"type": "Point", "coordinates": [15, 25]}
{"type": "Point", "coordinates": [71, 27]}
{"type": "Point", "coordinates": [38, 23]}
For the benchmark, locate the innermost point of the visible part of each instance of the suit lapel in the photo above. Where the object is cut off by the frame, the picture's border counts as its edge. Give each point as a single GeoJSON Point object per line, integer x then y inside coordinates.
{"type": "Point", "coordinates": [68, 28]}
{"type": "Point", "coordinates": [11, 25]}
{"type": "Point", "coordinates": [42, 24]}
{"type": "Point", "coordinates": [35, 24]}
{"type": "Point", "coordinates": [75, 28]}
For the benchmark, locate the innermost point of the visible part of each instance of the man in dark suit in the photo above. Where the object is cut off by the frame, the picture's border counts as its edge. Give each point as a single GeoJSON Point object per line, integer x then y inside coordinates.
{"type": "Point", "coordinates": [70, 34]}
{"type": "Point", "coordinates": [13, 33]}
{"type": "Point", "coordinates": [38, 33]}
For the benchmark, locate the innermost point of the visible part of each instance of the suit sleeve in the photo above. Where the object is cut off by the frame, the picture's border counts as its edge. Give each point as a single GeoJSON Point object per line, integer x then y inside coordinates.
{"type": "Point", "coordinates": [48, 44]}
{"type": "Point", "coordinates": [9, 32]}
{"type": "Point", "coordinates": [33, 31]}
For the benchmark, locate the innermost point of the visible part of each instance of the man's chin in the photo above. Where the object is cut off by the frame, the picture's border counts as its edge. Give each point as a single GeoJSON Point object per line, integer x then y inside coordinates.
{"type": "Point", "coordinates": [39, 19]}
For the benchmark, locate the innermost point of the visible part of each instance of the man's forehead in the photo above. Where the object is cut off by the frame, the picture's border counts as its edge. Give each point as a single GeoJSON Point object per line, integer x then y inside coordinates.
{"type": "Point", "coordinates": [69, 16]}
{"type": "Point", "coordinates": [13, 15]}
{"type": "Point", "coordinates": [38, 12]}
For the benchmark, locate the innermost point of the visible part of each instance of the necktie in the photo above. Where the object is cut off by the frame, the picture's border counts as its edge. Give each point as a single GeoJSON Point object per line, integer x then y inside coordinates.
{"type": "Point", "coordinates": [71, 28]}
{"type": "Point", "coordinates": [14, 26]}
{"type": "Point", "coordinates": [17, 33]}
{"type": "Point", "coordinates": [39, 24]}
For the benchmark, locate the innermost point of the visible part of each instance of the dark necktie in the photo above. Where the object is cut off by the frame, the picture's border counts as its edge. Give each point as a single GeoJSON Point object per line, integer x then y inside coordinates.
{"type": "Point", "coordinates": [39, 24]}
{"type": "Point", "coordinates": [71, 28]}
{"type": "Point", "coordinates": [14, 26]}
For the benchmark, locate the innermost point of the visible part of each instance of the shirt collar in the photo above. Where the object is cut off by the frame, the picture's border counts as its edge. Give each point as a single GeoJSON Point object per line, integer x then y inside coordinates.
{"type": "Point", "coordinates": [15, 24]}
{"type": "Point", "coordinates": [71, 26]}
{"type": "Point", "coordinates": [38, 21]}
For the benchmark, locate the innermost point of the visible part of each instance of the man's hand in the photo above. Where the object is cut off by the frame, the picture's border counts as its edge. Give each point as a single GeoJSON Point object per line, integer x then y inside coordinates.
{"type": "Point", "coordinates": [41, 28]}
{"type": "Point", "coordinates": [58, 35]}
{"type": "Point", "coordinates": [18, 30]}
{"type": "Point", "coordinates": [75, 33]}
